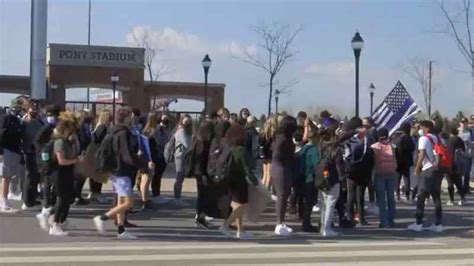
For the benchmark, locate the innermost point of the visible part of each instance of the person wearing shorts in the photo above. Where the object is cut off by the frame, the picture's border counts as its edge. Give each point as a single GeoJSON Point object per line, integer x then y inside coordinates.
{"type": "Point", "coordinates": [126, 148]}
{"type": "Point", "coordinates": [11, 144]}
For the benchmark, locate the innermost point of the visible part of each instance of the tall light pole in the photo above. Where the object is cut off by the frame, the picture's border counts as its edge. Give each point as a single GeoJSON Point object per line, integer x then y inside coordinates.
{"type": "Point", "coordinates": [114, 79]}
{"type": "Point", "coordinates": [89, 43]}
{"type": "Point", "coordinates": [206, 64]}
{"type": "Point", "coordinates": [357, 44]}
{"type": "Point", "coordinates": [429, 87]}
{"type": "Point", "coordinates": [277, 96]}
{"type": "Point", "coordinates": [371, 92]}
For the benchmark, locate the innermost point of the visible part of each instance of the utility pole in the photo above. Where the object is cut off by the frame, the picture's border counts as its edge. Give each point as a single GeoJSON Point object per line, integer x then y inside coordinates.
{"type": "Point", "coordinates": [429, 88]}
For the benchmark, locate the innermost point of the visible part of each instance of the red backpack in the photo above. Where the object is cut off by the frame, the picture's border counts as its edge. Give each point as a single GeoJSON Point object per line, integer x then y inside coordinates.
{"type": "Point", "coordinates": [445, 157]}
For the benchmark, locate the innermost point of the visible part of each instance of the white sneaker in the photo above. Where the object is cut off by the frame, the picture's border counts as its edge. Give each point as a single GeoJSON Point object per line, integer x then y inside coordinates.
{"type": "Point", "coordinates": [280, 230]}
{"type": "Point", "coordinates": [26, 208]}
{"type": "Point", "coordinates": [56, 230]}
{"type": "Point", "coordinates": [225, 231]}
{"type": "Point", "coordinates": [99, 225]}
{"type": "Point", "coordinates": [450, 203]}
{"type": "Point", "coordinates": [274, 197]}
{"type": "Point", "coordinates": [42, 221]}
{"type": "Point", "coordinates": [329, 233]}
{"type": "Point", "coordinates": [289, 229]}
{"type": "Point", "coordinates": [126, 236]}
{"type": "Point", "coordinates": [415, 227]}
{"type": "Point", "coordinates": [208, 219]}
{"type": "Point", "coordinates": [160, 200]}
{"type": "Point", "coordinates": [243, 235]}
{"type": "Point", "coordinates": [316, 208]}
{"type": "Point", "coordinates": [436, 228]}
{"type": "Point", "coordinates": [462, 203]}
{"type": "Point", "coordinates": [46, 211]}
{"type": "Point", "coordinates": [6, 208]}
{"type": "Point", "coordinates": [13, 196]}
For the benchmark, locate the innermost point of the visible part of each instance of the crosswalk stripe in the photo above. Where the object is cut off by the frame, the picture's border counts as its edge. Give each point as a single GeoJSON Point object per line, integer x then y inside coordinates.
{"type": "Point", "coordinates": [421, 262]}
{"type": "Point", "coordinates": [370, 254]}
{"type": "Point", "coordinates": [110, 246]}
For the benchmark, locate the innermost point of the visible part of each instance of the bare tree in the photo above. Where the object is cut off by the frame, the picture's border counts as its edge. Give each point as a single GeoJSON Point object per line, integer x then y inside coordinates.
{"type": "Point", "coordinates": [276, 40]}
{"type": "Point", "coordinates": [145, 40]}
{"type": "Point", "coordinates": [458, 27]}
{"type": "Point", "coordinates": [418, 69]}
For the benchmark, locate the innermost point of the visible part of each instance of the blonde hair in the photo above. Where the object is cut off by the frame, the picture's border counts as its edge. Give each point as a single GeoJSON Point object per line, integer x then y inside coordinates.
{"type": "Point", "coordinates": [68, 123]}
{"type": "Point", "coordinates": [151, 124]}
{"type": "Point", "coordinates": [270, 127]}
{"type": "Point", "coordinates": [104, 118]}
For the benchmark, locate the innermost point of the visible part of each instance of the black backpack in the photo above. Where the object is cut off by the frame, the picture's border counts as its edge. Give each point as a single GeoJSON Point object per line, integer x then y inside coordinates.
{"type": "Point", "coordinates": [327, 169]}
{"type": "Point", "coordinates": [47, 162]}
{"type": "Point", "coordinates": [220, 159]}
{"type": "Point", "coordinates": [105, 157]}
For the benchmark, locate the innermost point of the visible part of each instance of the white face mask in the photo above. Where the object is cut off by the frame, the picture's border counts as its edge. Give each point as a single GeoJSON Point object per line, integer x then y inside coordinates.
{"type": "Point", "coordinates": [51, 120]}
{"type": "Point", "coordinates": [421, 132]}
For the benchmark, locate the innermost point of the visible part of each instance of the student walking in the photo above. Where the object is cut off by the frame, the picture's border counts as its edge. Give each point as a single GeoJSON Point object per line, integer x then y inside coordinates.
{"type": "Point", "coordinates": [183, 136]}
{"type": "Point", "coordinates": [163, 135]}
{"type": "Point", "coordinates": [385, 171]}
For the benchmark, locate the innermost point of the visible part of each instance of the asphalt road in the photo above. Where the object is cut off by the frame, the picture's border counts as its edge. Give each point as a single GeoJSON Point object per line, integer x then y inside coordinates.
{"type": "Point", "coordinates": [168, 236]}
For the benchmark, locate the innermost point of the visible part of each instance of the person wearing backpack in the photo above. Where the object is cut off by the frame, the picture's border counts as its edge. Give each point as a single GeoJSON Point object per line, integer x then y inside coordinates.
{"type": "Point", "coordinates": [41, 139]}
{"type": "Point", "coordinates": [241, 175]}
{"type": "Point", "coordinates": [283, 161]}
{"type": "Point", "coordinates": [429, 178]}
{"type": "Point", "coordinates": [124, 166]}
{"type": "Point", "coordinates": [163, 135]}
{"type": "Point", "coordinates": [329, 173]}
{"type": "Point", "coordinates": [183, 137]}
{"type": "Point", "coordinates": [65, 156]}
{"type": "Point", "coordinates": [385, 171]}
{"type": "Point", "coordinates": [454, 177]}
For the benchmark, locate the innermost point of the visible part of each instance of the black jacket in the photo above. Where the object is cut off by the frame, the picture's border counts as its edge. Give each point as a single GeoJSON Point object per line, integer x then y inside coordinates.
{"type": "Point", "coordinates": [404, 152]}
{"type": "Point", "coordinates": [99, 134]}
{"type": "Point", "coordinates": [126, 146]}
{"type": "Point", "coordinates": [85, 138]}
{"type": "Point", "coordinates": [12, 132]}
{"type": "Point", "coordinates": [201, 157]}
{"type": "Point", "coordinates": [43, 136]}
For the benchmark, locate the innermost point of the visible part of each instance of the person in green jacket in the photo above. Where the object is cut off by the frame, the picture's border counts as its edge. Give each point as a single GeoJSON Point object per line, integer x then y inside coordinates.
{"type": "Point", "coordinates": [311, 158]}
{"type": "Point", "coordinates": [241, 175]}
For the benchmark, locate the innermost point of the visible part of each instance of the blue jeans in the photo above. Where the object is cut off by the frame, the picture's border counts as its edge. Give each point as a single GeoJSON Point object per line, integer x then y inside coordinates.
{"type": "Point", "coordinates": [385, 189]}
{"type": "Point", "coordinates": [467, 174]}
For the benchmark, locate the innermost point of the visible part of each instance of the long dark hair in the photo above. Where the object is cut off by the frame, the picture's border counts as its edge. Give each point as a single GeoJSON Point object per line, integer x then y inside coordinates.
{"type": "Point", "coordinates": [287, 127]}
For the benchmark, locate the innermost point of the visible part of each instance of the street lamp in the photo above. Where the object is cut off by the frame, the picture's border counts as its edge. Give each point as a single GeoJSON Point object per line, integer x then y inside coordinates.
{"type": "Point", "coordinates": [371, 91]}
{"type": "Point", "coordinates": [114, 79]}
{"type": "Point", "coordinates": [357, 44]}
{"type": "Point", "coordinates": [277, 96]}
{"type": "Point", "coordinates": [206, 64]}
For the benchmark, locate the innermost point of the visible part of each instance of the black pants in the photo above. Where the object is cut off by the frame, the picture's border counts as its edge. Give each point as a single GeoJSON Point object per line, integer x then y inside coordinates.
{"type": "Point", "coordinates": [200, 196]}
{"type": "Point", "coordinates": [341, 202]}
{"type": "Point", "coordinates": [405, 174]}
{"type": "Point", "coordinates": [65, 193]}
{"type": "Point", "coordinates": [78, 186]}
{"type": "Point", "coordinates": [355, 196]}
{"type": "Point", "coordinates": [49, 191]}
{"type": "Point", "coordinates": [308, 202]}
{"type": "Point", "coordinates": [297, 197]}
{"type": "Point", "coordinates": [429, 184]}
{"type": "Point", "coordinates": [156, 181]}
{"type": "Point", "coordinates": [371, 189]}
{"type": "Point", "coordinates": [283, 189]}
{"type": "Point", "coordinates": [95, 187]}
{"type": "Point", "coordinates": [31, 180]}
{"type": "Point", "coordinates": [453, 180]}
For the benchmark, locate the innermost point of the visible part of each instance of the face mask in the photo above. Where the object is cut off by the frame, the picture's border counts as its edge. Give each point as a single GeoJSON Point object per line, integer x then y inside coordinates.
{"type": "Point", "coordinates": [421, 133]}
{"type": "Point", "coordinates": [51, 120]}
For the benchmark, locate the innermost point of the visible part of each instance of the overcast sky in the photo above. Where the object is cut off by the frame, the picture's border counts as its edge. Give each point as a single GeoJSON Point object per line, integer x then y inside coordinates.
{"type": "Point", "coordinates": [186, 30]}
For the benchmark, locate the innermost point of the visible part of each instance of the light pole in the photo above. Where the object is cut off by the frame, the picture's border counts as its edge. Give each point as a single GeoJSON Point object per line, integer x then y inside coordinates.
{"type": "Point", "coordinates": [371, 91]}
{"type": "Point", "coordinates": [277, 96]}
{"type": "Point", "coordinates": [206, 64]}
{"type": "Point", "coordinates": [115, 79]}
{"type": "Point", "coordinates": [357, 44]}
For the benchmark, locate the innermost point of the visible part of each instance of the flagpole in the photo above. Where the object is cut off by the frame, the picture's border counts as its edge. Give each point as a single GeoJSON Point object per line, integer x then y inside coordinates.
{"type": "Point", "coordinates": [89, 43]}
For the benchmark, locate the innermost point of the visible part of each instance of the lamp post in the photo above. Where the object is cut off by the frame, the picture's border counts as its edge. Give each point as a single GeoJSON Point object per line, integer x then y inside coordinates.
{"type": "Point", "coordinates": [357, 44]}
{"type": "Point", "coordinates": [114, 79]}
{"type": "Point", "coordinates": [206, 64]}
{"type": "Point", "coordinates": [277, 96]}
{"type": "Point", "coordinates": [371, 92]}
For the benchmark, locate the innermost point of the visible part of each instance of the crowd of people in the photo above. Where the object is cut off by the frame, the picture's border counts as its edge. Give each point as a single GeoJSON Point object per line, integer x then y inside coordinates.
{"type": "Point", "coordinates": [307, 166]}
